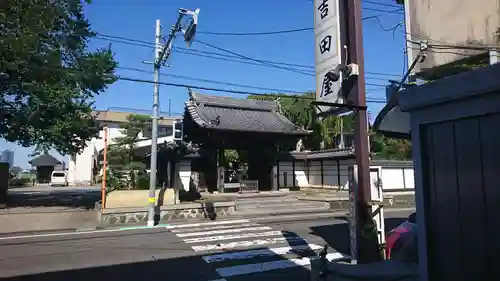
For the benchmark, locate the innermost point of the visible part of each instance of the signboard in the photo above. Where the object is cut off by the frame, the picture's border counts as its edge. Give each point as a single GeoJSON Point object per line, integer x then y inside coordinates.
{"type": "Point", "coordinates": [327, 51]}
{"type": "Point", "coordinates": [353, 185]}
{"type": "Point", "coordinates": [377, 195]}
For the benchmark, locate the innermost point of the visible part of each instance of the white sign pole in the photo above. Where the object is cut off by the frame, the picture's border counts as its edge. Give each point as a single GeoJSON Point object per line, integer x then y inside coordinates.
{"type": "Point", "coordinates": [327, 51]}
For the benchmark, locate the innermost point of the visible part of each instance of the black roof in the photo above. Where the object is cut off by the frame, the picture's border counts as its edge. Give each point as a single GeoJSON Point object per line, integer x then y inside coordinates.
{"type": "Point", "coordinates": [231, 114]}
{"type": "Point", "coordinates": [44, 160]}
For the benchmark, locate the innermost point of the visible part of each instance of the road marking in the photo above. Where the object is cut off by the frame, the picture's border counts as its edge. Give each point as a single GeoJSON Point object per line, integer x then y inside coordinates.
{"type": "Point", "coordinates": [175, 226]}
{"type": "Point", "coordinates": [234, 230]}
{"type": "Point", "coordinates": [232, 237]}
{"type": "Point", "coordinates": [82, 232]}
{"type": "Point", "coordinates": [244, 244]}
{"type": "Point", "coordinates": [268, 266]}
{"type": "Point", "coordinates": [259, 253]}
{"type": "Point", "coordinates": [215, 227]}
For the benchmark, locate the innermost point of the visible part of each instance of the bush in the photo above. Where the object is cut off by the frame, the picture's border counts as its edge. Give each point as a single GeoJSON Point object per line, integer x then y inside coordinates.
{"type": "Point", "coordinates": [19, 182]}
{"type": "Point", "coordinates": [142, 181]}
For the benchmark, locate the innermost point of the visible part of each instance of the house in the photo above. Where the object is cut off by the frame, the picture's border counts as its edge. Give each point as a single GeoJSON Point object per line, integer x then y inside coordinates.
{"type": "Point", "coordinates": [85, 166]}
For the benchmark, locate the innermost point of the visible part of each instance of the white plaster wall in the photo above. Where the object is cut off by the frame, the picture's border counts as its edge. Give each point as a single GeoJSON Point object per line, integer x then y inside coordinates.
{"type": "Point", "coordinates": [80, 165]}
{"type": "Point", "coordinates": [184, 175]}
{"type": "Point", "coordinates": [286, 177]}
{"type": "Point", "coordinates": [392, 177]}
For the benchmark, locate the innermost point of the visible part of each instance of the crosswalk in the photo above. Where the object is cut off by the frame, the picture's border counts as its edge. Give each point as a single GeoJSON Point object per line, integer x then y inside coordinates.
{"type": "Point", "coordinates": [238, 248]}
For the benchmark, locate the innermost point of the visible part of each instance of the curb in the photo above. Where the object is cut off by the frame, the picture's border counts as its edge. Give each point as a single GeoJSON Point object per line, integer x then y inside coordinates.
{"type": "Point", "coordinates": [62, 232]}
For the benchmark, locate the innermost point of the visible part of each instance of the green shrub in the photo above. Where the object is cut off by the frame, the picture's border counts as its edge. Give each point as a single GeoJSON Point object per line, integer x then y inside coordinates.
{"type": "Point", "coordinates": [19, 182]}
{"type": "Point", "coordinates": [142, 181]}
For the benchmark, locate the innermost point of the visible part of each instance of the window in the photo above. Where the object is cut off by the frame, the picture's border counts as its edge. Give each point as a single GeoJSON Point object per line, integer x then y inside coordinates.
{"type": "Point", "coordinates": [164, 131]}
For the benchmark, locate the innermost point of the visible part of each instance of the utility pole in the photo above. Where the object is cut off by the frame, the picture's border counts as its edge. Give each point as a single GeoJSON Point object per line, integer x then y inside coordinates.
{"type": "Point", "coordinates": [161, 54]}
{"type": "Point", "coordinates": [367, 245]}
{"type": "Point", "coordinates": [154, 130]}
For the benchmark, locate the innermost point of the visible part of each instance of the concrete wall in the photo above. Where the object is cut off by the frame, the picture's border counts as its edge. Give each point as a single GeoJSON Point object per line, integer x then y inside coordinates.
{"type": "Point", "coordinates": [308, 174]}
{"type": "Point", "coordinates": [183, 175]}
{"type": "Point", "coordinates": [451, 22]}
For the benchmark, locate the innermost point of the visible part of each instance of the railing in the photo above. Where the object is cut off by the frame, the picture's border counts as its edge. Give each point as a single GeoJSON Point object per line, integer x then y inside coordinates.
{"type": "Point", "coordinates": [249, 186]}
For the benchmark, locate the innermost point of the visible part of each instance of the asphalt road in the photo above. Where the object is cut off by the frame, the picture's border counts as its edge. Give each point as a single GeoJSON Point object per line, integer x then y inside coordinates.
{"type": "Point", "coordinates": [231, 250]}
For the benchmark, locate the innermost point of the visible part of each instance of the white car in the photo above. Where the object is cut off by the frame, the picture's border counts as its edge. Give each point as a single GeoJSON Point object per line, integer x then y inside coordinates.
{"type": "Point", "coordinates": [58, 178]}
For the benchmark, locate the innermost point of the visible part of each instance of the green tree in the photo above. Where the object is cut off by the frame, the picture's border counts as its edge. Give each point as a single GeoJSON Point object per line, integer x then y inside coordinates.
{"type": "Point", "coordinates": [48, 78]}
{"type": "Point", "coordinates": [300, 111]}
{"type": "Point", "coordinates": [383, 147]}
{"type": "Point", "coordinates": [124, 165]}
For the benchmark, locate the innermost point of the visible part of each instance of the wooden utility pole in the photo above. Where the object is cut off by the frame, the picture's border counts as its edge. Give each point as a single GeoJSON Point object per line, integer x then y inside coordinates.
{"type": "Point", "coordinates": [366, 237]}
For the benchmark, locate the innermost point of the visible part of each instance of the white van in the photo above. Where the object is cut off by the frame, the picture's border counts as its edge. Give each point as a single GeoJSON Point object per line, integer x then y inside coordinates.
{"type": "Point", "coordinates": [58, 178]}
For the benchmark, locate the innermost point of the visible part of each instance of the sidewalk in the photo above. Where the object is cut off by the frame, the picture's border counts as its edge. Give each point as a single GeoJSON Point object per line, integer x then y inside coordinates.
{"type": "Point", "coordinates": [11, 222]}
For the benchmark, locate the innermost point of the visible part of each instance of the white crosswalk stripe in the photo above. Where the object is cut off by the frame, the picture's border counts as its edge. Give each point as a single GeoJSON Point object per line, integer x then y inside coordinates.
{"type": "Point", "coordinates": [239, 247]}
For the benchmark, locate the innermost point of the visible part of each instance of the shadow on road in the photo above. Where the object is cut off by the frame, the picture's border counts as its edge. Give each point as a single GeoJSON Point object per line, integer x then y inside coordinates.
{"type": "Point", "coordinates": [70, 199]}
{"type": "Point", "coordinates": [185, 268]}
{"type": "Point", "coordinates": [337, 235]}
{"type": "Point", "coordinates": [230, 265]}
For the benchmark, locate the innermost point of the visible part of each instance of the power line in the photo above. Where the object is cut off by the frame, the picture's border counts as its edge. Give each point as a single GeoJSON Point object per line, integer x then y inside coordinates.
{"type": "Point", "coordinates": [143, 43]}
{"type": "Point", "coordinates": [213, 81]}
{"type": "Point", "coordinates": [398, 11]}
{"type": "Point", "coordinates": [232, 56]}
{"type": "Point", "coordinates": [381, 4]}
{"type": "Point", "coordinates": [257, 33]}
{"type": "Point", "coordinates": [222, 90]}
{"type": "Point", "coordinates": [131, 79]}
{"type": "Point", "coordinates": [229, 83]}
{"type": "Point", "coordinates": [252, 59]}
{"type": "Point", "coordinates": [225, 57]}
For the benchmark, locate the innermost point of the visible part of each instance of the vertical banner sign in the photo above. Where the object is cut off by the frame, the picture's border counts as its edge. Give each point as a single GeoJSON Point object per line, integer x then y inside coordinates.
{"type": "Point", "coordinates": [327, 51]}
{"type": "Point", "coordinates": [353, 185]}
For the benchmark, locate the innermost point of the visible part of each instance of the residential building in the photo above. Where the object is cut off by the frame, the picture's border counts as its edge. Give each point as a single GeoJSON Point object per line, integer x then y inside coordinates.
{"type": "Point", "coordinates": [7, 156]}
{"type": "Point", "coordinates": [451, 42]}
{"type": "Point", "coordinates": [83, 167]}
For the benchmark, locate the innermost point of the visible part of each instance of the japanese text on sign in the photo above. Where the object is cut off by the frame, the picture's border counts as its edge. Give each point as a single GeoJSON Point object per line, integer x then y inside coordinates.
{"type": "Point", "coordinates": [325, 44]}
{"type": "Point", "coordinates": [327, 51]}
{"type": "Point", "coordinates": [323, 8]}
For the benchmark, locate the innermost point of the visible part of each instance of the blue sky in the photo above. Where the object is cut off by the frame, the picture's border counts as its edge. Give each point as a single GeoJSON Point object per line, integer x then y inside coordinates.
{"type": "Point", "coordinates": [127, 18]}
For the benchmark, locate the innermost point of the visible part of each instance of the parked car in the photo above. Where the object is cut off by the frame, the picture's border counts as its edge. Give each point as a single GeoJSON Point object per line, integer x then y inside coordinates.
{"type": "Point", "coordinates": [58, 178]}
{"type": "Point", "coordinates": [398, 237]}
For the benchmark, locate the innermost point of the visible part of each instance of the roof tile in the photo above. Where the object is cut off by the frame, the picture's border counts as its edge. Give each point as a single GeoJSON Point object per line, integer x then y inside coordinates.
{"type": "Point", "coordinates": [225, 113]}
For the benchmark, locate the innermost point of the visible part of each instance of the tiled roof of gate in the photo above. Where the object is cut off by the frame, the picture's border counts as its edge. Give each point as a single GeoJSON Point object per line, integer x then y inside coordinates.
{"type": "Point", "coordinates": [44, 160]}
{"type": "Point", "coordinates": [231, 114]}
